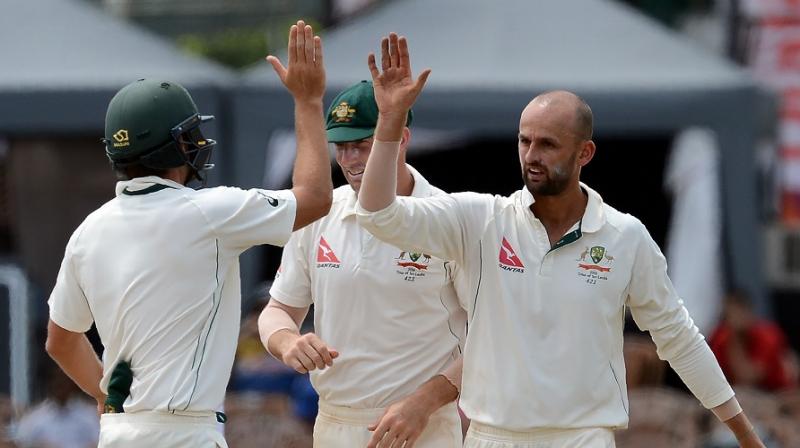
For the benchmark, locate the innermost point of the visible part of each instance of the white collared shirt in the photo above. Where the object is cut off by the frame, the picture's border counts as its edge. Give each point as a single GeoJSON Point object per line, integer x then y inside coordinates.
{"type": "Point", "coordinates": [544, 348]}
{"type": "Point", "coordinates": [393, 315]}
{"type": "Point", "coordinates": [157, 270]}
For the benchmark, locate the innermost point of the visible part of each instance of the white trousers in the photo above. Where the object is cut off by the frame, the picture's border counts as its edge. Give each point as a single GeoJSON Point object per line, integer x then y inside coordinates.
{"type": "Point", "coordinates": [483, 436]}
{"type": "Point", "coordinates": [341, 427]}
{"type": "Point", "coordinates": [162, 430]}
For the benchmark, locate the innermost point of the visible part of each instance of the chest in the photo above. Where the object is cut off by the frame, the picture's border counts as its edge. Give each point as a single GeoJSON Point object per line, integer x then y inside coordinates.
{"type": "Point", "coordinates": [347, 256]}
{"type": "Point", "coordinates": [581, 274]}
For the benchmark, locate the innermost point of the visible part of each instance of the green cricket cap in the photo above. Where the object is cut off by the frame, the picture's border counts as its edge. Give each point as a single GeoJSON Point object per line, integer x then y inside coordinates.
{"type": "Point", "coordinates": [353, 114]}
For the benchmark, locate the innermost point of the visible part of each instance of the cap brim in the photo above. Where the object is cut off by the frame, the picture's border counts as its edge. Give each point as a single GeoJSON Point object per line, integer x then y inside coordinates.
{"type": "Point", "coordinates": [349, 134]}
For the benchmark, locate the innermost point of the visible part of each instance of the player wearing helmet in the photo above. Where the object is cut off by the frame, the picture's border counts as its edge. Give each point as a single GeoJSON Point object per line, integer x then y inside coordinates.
{"type": "Point", "coordinates": [156, 268]}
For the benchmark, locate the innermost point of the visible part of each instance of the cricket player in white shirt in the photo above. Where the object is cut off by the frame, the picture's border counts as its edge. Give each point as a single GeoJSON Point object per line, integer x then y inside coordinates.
{"type": "Point", "coordinates": [385, 356]}
{"type": "Point", "coordinates": [552, 269]}
{"type": "Point", "coordinates": [156, 269]}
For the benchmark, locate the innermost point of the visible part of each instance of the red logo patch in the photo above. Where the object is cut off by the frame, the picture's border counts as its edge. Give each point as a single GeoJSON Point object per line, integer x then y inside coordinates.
{"type": "Point", "coordinates": [325, 253]}
{"type": "Point", "coordinates": [508, 257]}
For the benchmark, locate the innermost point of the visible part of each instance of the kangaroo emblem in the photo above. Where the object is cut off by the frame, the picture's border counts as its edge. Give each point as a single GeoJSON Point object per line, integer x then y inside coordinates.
{"type": "Point", "coordinates": [583, 254]}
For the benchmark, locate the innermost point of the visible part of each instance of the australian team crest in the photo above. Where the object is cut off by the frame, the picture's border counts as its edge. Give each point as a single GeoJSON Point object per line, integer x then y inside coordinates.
{"type": "Point", "coordinates": [601, 260]}
{"type": "Point", "coordinates": [413, 264]}
{"type": "Point", "coordinates": [413, 258]}
{"type": "Point", "coordinates": [343, 113]}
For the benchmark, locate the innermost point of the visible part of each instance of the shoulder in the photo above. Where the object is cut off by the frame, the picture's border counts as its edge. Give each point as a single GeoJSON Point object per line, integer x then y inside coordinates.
{"type": "Point", "coordinates": [624, 223]}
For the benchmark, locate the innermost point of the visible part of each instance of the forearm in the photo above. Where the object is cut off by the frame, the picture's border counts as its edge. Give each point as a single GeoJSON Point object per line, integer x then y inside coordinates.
{"type": "Point", "coordinates": [743, 430]}
{"type": "Point", "coordinates": [435, 393]}
{"type": "Point", "coordinates": [312, 171]}
{"type": "Point", "coordinates": [379, 187]}
{"type": "Point", "coordinates": [276, 328]}
{"type": "Point", "coordinates": [78, 360]}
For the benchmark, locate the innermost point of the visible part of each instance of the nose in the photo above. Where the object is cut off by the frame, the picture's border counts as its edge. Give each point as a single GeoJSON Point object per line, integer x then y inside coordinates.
{"type": "Point", "coordinates": [350, 153]}
{"type": "Point", "coordinates": [532, 154]}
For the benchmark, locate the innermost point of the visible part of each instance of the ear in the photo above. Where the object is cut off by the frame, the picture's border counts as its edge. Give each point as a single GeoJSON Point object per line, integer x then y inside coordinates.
{"type": "Point", "coordinates": [586, 152]}
{"type": "Point", "coordinates": [405, 139]}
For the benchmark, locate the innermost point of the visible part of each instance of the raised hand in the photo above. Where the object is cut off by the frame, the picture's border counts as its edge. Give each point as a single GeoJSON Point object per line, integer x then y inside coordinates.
{"type": "Point", "coordinates": [305, 75]}
{"type": "Point", "coordinates": [395, 88]}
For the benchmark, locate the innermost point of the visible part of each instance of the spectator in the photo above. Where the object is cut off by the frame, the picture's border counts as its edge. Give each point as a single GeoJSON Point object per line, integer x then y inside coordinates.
{"type": "Point", "coordinates": [63, 420]}
{"type": "Point", "coordinates": [752, 351]}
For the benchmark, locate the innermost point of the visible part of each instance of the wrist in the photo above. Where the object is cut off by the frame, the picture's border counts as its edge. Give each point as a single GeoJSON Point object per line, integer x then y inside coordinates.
{"type": "Point", "coordinates": [280, 341]}
{"type": "Point", "coordinates": [312, 102]}
{"type": "Point", "coordinates": [435, 393]}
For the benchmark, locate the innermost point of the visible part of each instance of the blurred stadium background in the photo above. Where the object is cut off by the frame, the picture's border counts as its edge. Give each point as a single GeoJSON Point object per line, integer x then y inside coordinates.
{"type": "Point", "coordinates": [697, 107]}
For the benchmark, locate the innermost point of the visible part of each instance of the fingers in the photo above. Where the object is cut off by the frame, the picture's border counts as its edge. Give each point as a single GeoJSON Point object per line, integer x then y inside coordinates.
{"type": "Point", "coordinates": [386, 60]}
{"type": "Point", "coordinates": [292, 50]}
{"type": "Point", "coordinates": [278, 67]}
{"type": "Point", "coordinates": [300, 48]}
{"type": "Point", "coordinates": [320, 348]}
{"type": "Point", "coordinates": [394, 50]}
{"type": "Point", "coordinates": [309, 44]}
{"type": "Point", "coordinates": [404, 57]}
{"type": "Point", "coordinates": [317, 50]}
{"type": "Point", "coordinates": [379, 434]}
{"type": "Point", "coordinates": [310, 353]}
{"type": "Point", "coordinates": [373, 69]}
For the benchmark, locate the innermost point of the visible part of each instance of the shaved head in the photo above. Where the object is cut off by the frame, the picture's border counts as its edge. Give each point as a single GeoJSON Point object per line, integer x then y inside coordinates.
{"type": "Point", "coordinates": [581, 123]}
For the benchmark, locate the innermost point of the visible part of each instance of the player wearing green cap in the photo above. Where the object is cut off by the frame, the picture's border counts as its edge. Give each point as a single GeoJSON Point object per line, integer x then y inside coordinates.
{"type": "Point", "coordinates": [388, 324]}
{"type": "Point", "coordinates": [156, 269]}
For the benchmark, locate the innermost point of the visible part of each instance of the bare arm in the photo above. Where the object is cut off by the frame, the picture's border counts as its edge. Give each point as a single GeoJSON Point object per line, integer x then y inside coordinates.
{"type": "Point", "coordinates": [395, 93]}
{"type": "Point", "coordinates": [76, 357]}
{"type": "Point", "coordinates": [305, 79]}
{"type": "Point", "coordinates": [279, 328]}
{"type": "Point", "coordinates": [741, 427]}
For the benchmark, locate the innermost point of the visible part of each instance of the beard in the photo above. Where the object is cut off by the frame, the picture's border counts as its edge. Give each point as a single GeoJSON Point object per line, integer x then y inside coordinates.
{"type": "Point", "coordinates": [556, 179]}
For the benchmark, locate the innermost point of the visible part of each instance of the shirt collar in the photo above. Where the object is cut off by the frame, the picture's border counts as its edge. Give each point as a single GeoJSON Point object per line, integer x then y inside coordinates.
{"type": "Point", "coordinates": [139, 185]}
{"type": "Point", "coordinates": [593, 217]}
{"type": "Point", "coordinates": [422, 189]}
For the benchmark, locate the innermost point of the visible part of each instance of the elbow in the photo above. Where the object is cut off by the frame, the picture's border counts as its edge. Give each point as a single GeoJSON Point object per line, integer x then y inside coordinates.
{"type": "Point", "coordinates": [323, 204]}
{"type": "Point", "coordinates": [54, 347]}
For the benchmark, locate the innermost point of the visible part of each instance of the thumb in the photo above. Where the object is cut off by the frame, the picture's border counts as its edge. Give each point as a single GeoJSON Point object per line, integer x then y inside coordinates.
{"type": "Point", "coordinates": [374, 426]}
{"type": "Point", "coordinates": [334, 353]}
{"type": "Point", "coordinates": [422, 79]}
{"type": "Point", "coordinates": [278, 67]}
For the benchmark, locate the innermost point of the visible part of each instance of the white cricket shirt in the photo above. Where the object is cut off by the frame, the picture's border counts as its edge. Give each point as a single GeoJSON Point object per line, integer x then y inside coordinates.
{"type": "Point", "coordinates": [157, 270]}
{"type": "Point", "coordinates": [393, 315]}
{"type": "Point", "coordinates": [544, 348]}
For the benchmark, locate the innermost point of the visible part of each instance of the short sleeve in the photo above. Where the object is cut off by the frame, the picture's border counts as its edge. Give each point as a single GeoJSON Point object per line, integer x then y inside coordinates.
{"type": "Point", "coordinates": [246, 218]}
{"type": "Point", "coordinates": [69, 308]}
{"type": "Point", "coordinates": [292, 285]}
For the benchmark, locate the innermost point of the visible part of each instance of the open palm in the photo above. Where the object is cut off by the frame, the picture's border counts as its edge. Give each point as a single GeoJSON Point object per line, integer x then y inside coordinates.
{"type": "Point", "coordinates": [395, 88]}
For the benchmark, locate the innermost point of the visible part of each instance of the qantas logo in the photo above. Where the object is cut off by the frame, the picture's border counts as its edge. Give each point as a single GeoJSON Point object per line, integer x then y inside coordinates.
{"type": "Point", "coordinates": [509, 260]}
{"type": "Point", "coordinates": [325, 256]}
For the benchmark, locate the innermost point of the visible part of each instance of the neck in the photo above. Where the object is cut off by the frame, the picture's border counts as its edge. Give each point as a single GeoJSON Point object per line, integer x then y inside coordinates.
{"type": "Point", "coordinates": [179, 175]}
{"type": "Point", "coordinates": [562, 210]}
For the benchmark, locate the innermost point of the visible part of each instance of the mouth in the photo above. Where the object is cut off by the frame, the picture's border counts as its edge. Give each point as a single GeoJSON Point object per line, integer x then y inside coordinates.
{"type": "Point", "coordinates": [355, 174]}
{"type": "Point", "coordinates": [535, 173]}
